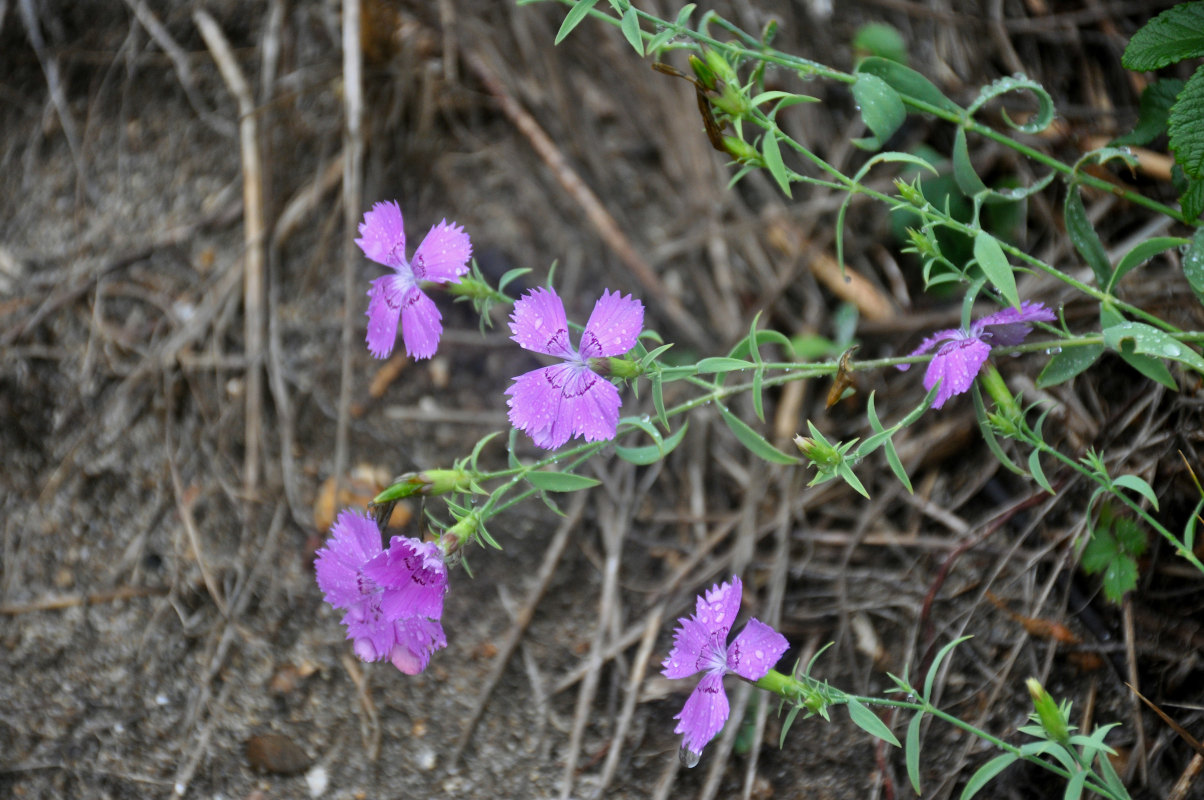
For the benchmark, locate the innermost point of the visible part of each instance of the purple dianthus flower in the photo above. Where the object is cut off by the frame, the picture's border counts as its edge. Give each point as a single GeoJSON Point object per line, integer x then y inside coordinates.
{"type": "Point", "coordinates": [962, 353]}
{"type": "Point", "coordinates": [441, 257]}
{"type": "Point", "coordinates": [556, 403]}
{"type": "Point", "coordinates": [393, 597]}
{"type": "Point", "coordinates": [700, 645]}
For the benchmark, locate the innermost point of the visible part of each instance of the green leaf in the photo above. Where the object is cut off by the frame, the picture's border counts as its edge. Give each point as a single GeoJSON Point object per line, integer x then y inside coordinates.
{"type": "Point", "coordinates": [1150, 341]}
{"type": "Point", "coordinates": [1173, 35]}
{"type": "Point", "coordinates": [773, 160]}
{"type": "Point", "coordinates": [1143, 253]}
{"type": "Point", "coordinates": [871, 723]}
{"type": "Point", "coordinates": [848, 476]}
{"type": "Point", "coordinates": [560, 481]}
{"type": "Point", "coordinates": [1034, 469]}
{"type": "Point", "coordinates": [907, 82]}
{"type": "Point", "coordinates": [571, 20]}
{"type": "Point", "coordinates": [1120, 578]}
{"type": "Point", "coordinates": [1191, 201]}
{"type": "Point", "coordinates": [1099, 552]}
{"type": "Point", "coordinates": [1084, 238]}
{"type": "Point", "coordinates": [963, 171]}
{"type": "Point", "coordinates": [683, 16]}
{"type": "Point", "coordinates": [1186, 126]}
{"type": "Point", "coordinates": [1156, 102]}
{"type": "Point", "coordinates": [1139, 485]}
{"type": "Point", "coordinates": [1130, 536]}
{"type": "Point", "coordinates": [986, 773]}
{"type": "Point", "coordinates": [1193, 264]}
{"type": "Point", "coordinates": [631, 30]}
{"type": "Point", "coordinates": [995, 266]}
{"type": "Point", "coordinates": [1074, 786]}
{"type": "Point", "coordinates": [754, 441]}
{"type": "Point", "coordinates": [721, 364]}
{"type": "Point", "coordinates": [1068, 363]}
{"type": "Point", "coordinates": [911, 753]}
{"type": "Point", "coordinates": [881, 40]}
{"type": "Point", "coordinates": [935, 668]}
{"type": "Point", "coordinates": [652, 453]}
{"type": "Point", "coordinates": [881, 108]}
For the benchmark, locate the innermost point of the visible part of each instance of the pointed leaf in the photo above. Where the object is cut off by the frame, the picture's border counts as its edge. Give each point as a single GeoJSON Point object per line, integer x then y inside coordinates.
{"type": "Point", "coordinates": [652, 453]}
{"type": "Point", "coordinates": [907, 82]}
{"type": "Point", "coordinates": [560, 481]}
{"type": "Point", "coordinates": [1138, 485]}
{"type": "Point", "coordinates": [911, 752]}
{"type": "Point", "coordinates": [1084, 238]}
{"type": "Point", "coordinates": [631, 30]}
{"type": "Point", "coordinates": [1143, 253]}
{"type": "Point", "coordinates": [881, 108]}
{"type": "Point", "coordinates": [986, 773]}
{"type": "Point", "coordinates": [754, 441]}
{"type": "Point", "coordinates": [1155, 109]}
{"type": "Point", "coordinates": [871, 723]}
{"type": "Point", "coordinates": [773, 161]}
{"type": "Point", "coordinates": [995, 266]}
{"type": "Point", "coordinates": [571, 20]}
{"type": "Point", "coordinates": [1068, 363]}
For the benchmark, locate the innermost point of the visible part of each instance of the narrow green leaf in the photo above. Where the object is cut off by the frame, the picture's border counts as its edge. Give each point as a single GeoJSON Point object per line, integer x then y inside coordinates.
{"type": "Point", "coordinates": [560, 481]}
{"type": "Point", "coordinates": [631, 30]}
{"type": "Point", "coordinates": [683, 16]}
{"type": "Point", "coordinates": [935, 668]}
{"type": "Point", "coordinates": [986, 773]}
{"type": "Point", "coordinates": [911, 753]}
{"type": "Point", "coordinates": [658, 41]}
{"type": "Point", "coordinates": [907, 82]}
{"type": "Point", "coordinates": [720, 364]}
{"type": "Point", "coordinates": [1068, 363]}
{"type": "Point", "coordinates": [1034, 469]}
{"type": "Point", "coordinates": [881, 108]}
{"type": "Point", "coordinates": [1074, 786]}
{"type": "Point", "coordinates": [1187, 134]}
{"type": "Point", "coordinates": [963, 171]}
{"type": "Point", "coordinates": [658, 402]}
{"type": "Point", "coordinates": [652, 453]}
{"type": "Point", "coordinates": [773, 161]}
{"type": "Point", "coordinates": [1084, 238]}
{"type": "Point", "coordinates": [1143, 253]}
{"type": "Point", "coordinates": [848, 476]}
{"type": "Point", "coordinates": [1173, 35]}
{"type": "Point", "coordinates": [995, 266]}
{"type": "Point", "coordinates": [571, 20]}
{"type": "Point", "coordinates": [871, 723]}
{"type": "Point", "coordinates": [896, 466]}
{"type": "Point", "coordinates": [1111, 779]}
{"type": "Point", "coordinates": [1139, 485]}
{"type": "Point", "coordinates": [754, 441]}
{"type": "Point", "coordinates": [758, 400]}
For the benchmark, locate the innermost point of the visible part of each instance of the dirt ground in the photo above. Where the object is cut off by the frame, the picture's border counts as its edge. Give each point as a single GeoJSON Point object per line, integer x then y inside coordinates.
{"type": "Point", "coordinates": [161, 633]}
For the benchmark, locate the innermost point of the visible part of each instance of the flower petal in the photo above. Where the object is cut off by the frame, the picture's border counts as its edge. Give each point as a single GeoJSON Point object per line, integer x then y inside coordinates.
{"type": "Point", "coordinates": [354, 541]}
{"type": "Point", "coordinates": [718, 610]}
{"type": "Point", "coordinates": [613, 327]}
{"type": "Point", "coordinates": [556, 403]}
{"type": "Point", "coordinates": [756, 650]}
{"type": "Point", "coordinates": [373, 631]}
{"type": "Point", "coordinates": [1007, 328]}
{"type": "Point", "coordinates": [955, 365]}
{"type": "Point", "coordinates": [420, 324]}
{"type": "Point", "coordinates": [931, 342]}
{"type": "Point", "coordinates": [689, 641]}
{"type": "Point", "coordinates": [705, 712]}
{"type": "Point", "coordinates": [539, 324]}
{"type": "Point", "coordinates": [383, 235]}
{"type": "Point", "coordinates": [417, 638]}
{"type": "Point", "coordinates": [414, 578]}
{"type": "Point", "coordinates": [384, 312]}
{"type": "Point", "coordinates": [443, 255]}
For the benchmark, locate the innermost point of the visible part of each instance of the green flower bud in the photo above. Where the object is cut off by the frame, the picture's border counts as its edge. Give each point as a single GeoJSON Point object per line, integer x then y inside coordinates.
{"type": "Point", "coordinates": [427, 482]}
{"type": "Point", "coordinates": [741, 150]}
{"type": "Point", "coordinates": [1054, 720]}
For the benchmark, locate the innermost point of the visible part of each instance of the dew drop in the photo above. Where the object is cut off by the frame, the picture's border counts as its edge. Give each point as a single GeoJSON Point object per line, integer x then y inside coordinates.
{"type": "Point", "coordinates": [1171, 350]}
{"type": "Point", "coordinates": [688, 758]}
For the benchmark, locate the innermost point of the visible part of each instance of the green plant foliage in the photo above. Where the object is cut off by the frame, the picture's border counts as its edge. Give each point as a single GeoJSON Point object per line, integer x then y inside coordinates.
{"type": "Point", "coordinates": [1113, 550]}
{"type": "Point", "coordinates": [1173, 35]}
{"type": "Point", "coordinates": [882, 40]}
{"type": "Point", "coordinates": [907, 82]}
{"type": "Point", "coordinates": [1153, 113]}
{"type": "Point", "coordinates": [881, 108]}
{"type": "Point", "coordinates": [1187, 134]}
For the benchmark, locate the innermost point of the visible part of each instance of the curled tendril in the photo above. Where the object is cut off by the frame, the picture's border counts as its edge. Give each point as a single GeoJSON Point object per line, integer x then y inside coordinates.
{"type": "Point", "coordinates": [1045, 110]}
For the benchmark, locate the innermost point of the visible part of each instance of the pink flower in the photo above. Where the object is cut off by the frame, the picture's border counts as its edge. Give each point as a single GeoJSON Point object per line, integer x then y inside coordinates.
{"type": "Point", "coordinates": [442, 257]}
{"type": "Point", "coordinates": [962, 353]}
{"type": "Point", "coordinates": [394, 597]}
{"type": "Point", "coordinates": [556, 403]}
{"type": "Point", "coordinates": [700, 645]}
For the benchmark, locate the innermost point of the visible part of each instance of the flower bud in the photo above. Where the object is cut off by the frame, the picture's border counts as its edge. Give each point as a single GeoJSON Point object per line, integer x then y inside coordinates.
{"type": "Point", "coordinates": [1054, 720]}
{"type": "Point", "coordinates": [741, 150]}
{"type": "Point", "coordinates": [425, 483]}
